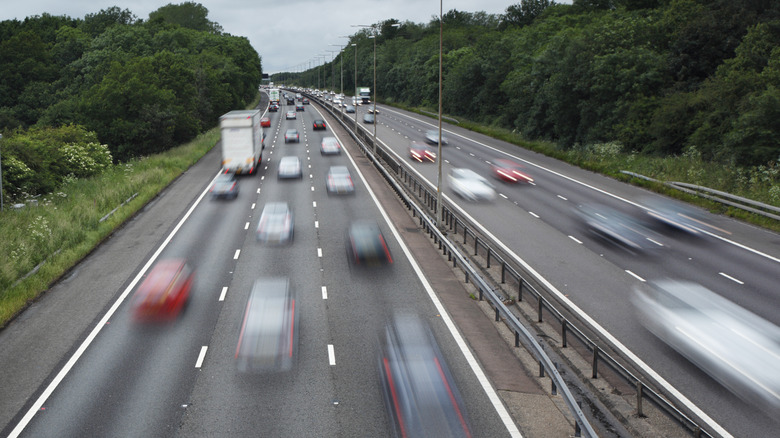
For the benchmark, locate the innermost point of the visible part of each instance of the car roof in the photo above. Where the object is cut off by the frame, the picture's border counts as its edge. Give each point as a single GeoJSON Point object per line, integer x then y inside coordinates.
{"type": "Point", "coordinates": [290, 158]}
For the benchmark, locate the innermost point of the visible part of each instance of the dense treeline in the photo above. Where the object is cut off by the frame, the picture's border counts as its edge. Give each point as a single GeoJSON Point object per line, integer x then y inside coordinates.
{"type": "Point", "coordinates": [660, 77]}
{"type": "Point", "coordinates": [134, 86]}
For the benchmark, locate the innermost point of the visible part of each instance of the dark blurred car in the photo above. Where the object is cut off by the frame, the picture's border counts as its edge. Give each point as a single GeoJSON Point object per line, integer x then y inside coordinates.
{"type": "Point", "coordinates": [366, 245]}
{"type": "Point", "coordinates": [675, 215]}
{"type": "Point", "coordinates": [373, 110]}
{"type": "Point", "coordinates": [339, 180]}
{"type": "Point", "coordinates": [509, 171]}
{"type": "Point", "coordinates": [432, 137]}
{"type": "Point", "coordinates": [618, 227]}
{"type": "Point", "coordinates": [318, 124]}
{"type": "Point", "coordinates": [471, 186]}
{"type": "Point", "coordinates": [349, 109]}
{"type": "Point", "coordinates": [305, 101]}
{"type": "Point", "coordinates": [224, 186]}
{"type": "Point", "coordinates": [734, 346]}
{"type": "Point", "coordinates": [290, 167]}
{"type": "Point", "coordinates": [290, 115]}
{"type": "Point", "coordinates": [265, 122]}
{"type": "Point", "coordinates": [290, 100]}
{"type": "Point", "coordinates": [273, 108]}
{"type": "Point", "coordinates": [268, 340]}
{"type": "Point", "coordinates": [419, 390]}
{"type": "Point", "coordinates": [164, 291]}
{"type": "Point", "coordinates": [330, 146]}
{"type": "Point", "coordinates": [292, 136]}
{"type": "Point", "coordinates": [276, 224]}
{"type": "Point", "coordinates": [300, 107]}
{"type": "Point", "coordinates": [368, 118]}
{"type": "Point", "coordinates": [421, 152]}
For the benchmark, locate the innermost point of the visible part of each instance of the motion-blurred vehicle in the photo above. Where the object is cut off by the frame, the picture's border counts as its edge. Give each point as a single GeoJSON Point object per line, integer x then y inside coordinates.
{"type": "Point", "coordinates": [432, 137]}
{"type": "Point", "coordinates": [421, 152]}
{"type": "Point", "coordinates": [419, 390]}
{"type": "Point", "coordinates": [290, 115]}
{"type": "Point", "coordinates": [265, 122]}
{"type": "Point", "coordinates": [300, 107]}
{"type": "Point", "coordinates": [292, 136]}
{"type": "Point", "coordinates": [471, 186]}
{"type": "Point", "coordinates": [318, 124]}
{"type": "Point", "coordinates": [276, 224]}
{"type": "Point", "coordinates": [268, 340]}
{"type": "Point", "coordinates": [734, 346]}
{"type": "Point", "coordinates": [225, 185]}
{"type": "Point", "coordinates": [675, 215]}
{"type": "Point", "coordinates": [290, 167]}
{"type": "Point", "coordinates": [509, 171]}
{"type": "Point", "coordinates": [618, 227]}
{"type": "Point", "coordinates": [373, 110]}
{"type": "Point", "coordinates": [305, 101]}
{"type": "Point", "coordinates": [368, 118]}
{"type": "Point", "coordinates": [366, 244]}
{"type": "Point", "coordinates": [349, 109]}
{"type": "Point", "coordinates": [164, 291]}
{"type": "Point", "coordinates": [339, 180]}
{"type": "Point", "coordinates": [330, 146]}
{"type": "Point", "coordinates": [242, 141]}
{"type": "Point", "coordinates": [273, 107]}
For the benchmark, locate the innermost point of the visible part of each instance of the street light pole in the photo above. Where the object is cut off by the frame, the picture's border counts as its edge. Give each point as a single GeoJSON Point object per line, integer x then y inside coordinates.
{"type": "Point", "coordinates": [355, 45]}
{"type": "Point", "coordinates": [440, 158]}
{"type": "Point", "coordinates": [374, 98]}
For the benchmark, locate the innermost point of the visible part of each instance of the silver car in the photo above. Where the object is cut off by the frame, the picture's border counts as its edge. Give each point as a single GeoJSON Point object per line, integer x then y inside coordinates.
{"type": "Point", "coordinates": [471, 186]}
{"type": "Point", "coordinates": [290, 167]}
{"type": "Point", "coordinates": [330, 146]}
{"type": "Point", "coordinates": [277, 224]}
{"type": "Point", "coordinates": [339, 180]}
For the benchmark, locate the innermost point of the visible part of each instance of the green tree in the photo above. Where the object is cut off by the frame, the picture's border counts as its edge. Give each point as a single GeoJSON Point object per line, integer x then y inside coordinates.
{"type": "Point", "coordinates": [188, 14]}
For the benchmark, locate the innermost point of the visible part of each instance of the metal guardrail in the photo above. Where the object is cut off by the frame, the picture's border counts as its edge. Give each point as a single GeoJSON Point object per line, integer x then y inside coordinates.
{"type": "Point", "coordinates": [513, 277]}
{"type": "Point", "coordinates": [449, 248]}
{"type": "Point", "coordinates": [716, 195]}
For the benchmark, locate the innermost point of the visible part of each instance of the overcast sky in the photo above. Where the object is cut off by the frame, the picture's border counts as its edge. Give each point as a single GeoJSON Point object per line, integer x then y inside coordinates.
{"type": "Point", "coordinates": [286, 33]}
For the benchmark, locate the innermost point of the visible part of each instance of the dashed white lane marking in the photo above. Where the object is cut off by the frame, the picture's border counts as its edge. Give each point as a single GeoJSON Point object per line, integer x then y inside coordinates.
{"type": "Point", "coordinates": [562, 198]}
{"type": "Point", "coordinates": [316, 224]}
{"type": "Point", "coordinates": [635, 276]}
{"type": "Point", "coordinates": [314, 204]}
{"type": "Point", "coordinates": [533, 214]}
{"type": "Point", "coordinates": [201, 356]}
{"type": "Point", "coordinates": [246, 226]}
{"type": "Point", "coordinates": [235, 256]}
{"type": "Point", "coordinates": [319, 252]}
{"type": "Point", "coordinates": [503, 195]}
{"type": "Point", "coordinates": [223, 294]}
{"type": "Point", "coordinates": [731, 278]}
{"type": "Point", "coordinates": [575, 239]}
{"type": "Point", "coordinates": [331, 355]}
{"type": "Point", "coordinates": [324, 293]}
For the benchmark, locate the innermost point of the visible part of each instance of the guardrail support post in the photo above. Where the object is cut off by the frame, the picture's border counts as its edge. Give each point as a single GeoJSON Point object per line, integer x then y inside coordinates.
{"type": "Point", "coordinates": [498, 316]}
{"type": "Point", "coordinates": [564, 326]}
{"type": "Point", "coordinates": [520, 291]}
{"type": "Point", "coordinates": [639, 390]}
{"type": "Point", "coordinates": [539, 316]}
{"type": "Point", "coordinates": [517, 339]}
{"type": "Point", "coordinates": [503, 273]}
{"type": "Point", "coordinates": [595, 373]}
{"type": "Point", "coordinates": [476, 245]}
{"type": "Point", "coordinates": [553, 388]}
{"type": "Point", "coordinates": [541, 369]}
{"type": "Point", "coordinates": [488, 257]}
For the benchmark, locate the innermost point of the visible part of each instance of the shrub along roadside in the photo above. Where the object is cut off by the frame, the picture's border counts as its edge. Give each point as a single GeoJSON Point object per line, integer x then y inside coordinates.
{"type": "Point", "coordinates": [65, 227]}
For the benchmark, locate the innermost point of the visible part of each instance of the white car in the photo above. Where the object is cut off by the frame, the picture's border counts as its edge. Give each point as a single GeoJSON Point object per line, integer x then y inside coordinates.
{"type": "Point", "coordinates": [469, 185]}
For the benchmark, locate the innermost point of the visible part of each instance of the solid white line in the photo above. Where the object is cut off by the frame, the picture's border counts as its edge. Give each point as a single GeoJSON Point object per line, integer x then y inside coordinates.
{"type": "Point", "coordinates": [635, 276]}
{"type": "Point", "coordinates": [575, 239]}
{"type": "Point", "coordinates": [224, 292]}
{"type": "Point", "coordinates": [316, 224]}
{"type": "Point", "coordinates": [331, 355]}
{"type": "Point", "coordinates": [324, 293]}
{"type": "Point", "coordinates": [99, 326]}
{"type": "Point", "coordinates": [235, 256]}
{"type": "Point", "coordinates": [319, 252]}
{"type": "Point", "coordinates": [533, 214]}
{"type": "Point", "coordinates": [201, 356]}
{"type": "Point", "coordinates": [731, 278]}
{"type": "Point", "coordinates": [498, 405]}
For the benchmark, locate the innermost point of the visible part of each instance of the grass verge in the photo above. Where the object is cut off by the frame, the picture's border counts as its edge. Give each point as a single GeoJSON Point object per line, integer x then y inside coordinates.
{"type": "Point", "coordinates": [52, 237]}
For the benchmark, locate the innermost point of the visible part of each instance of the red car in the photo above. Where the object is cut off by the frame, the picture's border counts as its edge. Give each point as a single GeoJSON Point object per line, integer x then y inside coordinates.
{"type": "Point", "coordinates": [509, 171]}
{"type": "Point", "coordinates": [421, 152]}
{"type": "Point", "coordinates": [164, 291]}
{"type": "Point", "coordinates": [265, 122]}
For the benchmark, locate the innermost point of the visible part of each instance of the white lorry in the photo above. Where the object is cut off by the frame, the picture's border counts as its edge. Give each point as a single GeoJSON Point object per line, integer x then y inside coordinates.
{"type": "Point", "coordinates": [364, 96]}
{"type": "Point", "coordinates": [274, 95]}
{"type": "Point", "coordinates": [242, 141]}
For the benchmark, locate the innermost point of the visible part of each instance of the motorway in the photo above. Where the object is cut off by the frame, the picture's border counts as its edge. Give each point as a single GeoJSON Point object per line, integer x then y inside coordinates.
{"type": "Point", "coordinates": [181, 379]}
{"type": "Point", "coordinates": [537, 222]}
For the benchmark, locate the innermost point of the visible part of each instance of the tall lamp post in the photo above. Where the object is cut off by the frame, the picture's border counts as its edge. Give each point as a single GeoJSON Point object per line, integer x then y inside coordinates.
{"type": "Point", "coordinates": [332, 68]}
{"type": "Point", "coordinates": [341, 62]}
{"type": "Point", "coordinates": [355, 46]}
